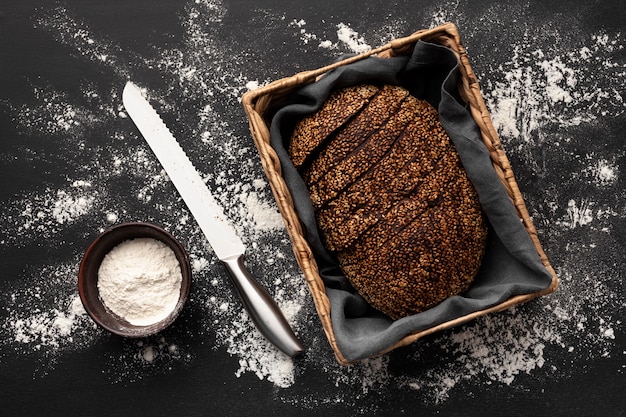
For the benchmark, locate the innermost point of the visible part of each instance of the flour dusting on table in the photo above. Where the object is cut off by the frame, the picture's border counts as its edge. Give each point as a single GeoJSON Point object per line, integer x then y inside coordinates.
{"type": "Point", "coordinates": [543, 98]}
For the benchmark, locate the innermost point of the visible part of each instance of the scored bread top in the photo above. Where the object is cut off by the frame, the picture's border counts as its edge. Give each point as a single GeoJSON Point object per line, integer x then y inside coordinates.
{"type": "Point", "coordinates": [337, 109]}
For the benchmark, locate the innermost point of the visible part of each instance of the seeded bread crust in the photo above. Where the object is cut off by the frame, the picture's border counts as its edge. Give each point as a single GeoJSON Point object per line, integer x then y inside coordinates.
{"type": "Point", "coordinates": [375, 113]}
{"type": "Point", "coordinates": [391, 197]}
{"type": "Point", "coordinates": [337, 110]}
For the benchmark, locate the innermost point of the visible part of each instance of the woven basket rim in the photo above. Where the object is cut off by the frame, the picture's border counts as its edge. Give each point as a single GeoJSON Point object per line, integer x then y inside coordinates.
{"type": "Point", "coordinates": [257, 102]}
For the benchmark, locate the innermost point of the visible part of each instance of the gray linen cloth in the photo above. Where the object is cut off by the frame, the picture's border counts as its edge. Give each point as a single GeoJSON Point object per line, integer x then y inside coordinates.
{"type": "Point", "coordinates": [511, 265]}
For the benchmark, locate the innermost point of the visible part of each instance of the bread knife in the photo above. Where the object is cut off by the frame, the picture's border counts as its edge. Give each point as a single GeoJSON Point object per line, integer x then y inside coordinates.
{"type": "Point", "coordinates": [226, 244]}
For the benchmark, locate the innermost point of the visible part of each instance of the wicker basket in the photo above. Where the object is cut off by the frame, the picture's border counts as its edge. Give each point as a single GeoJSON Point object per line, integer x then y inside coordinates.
{"type": "Point", "coordinates": [259, 103]}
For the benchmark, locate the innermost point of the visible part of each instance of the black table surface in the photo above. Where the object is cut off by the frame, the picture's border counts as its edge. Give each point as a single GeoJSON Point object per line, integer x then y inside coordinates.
{"type": "Point", "coordinates": [72, 164]}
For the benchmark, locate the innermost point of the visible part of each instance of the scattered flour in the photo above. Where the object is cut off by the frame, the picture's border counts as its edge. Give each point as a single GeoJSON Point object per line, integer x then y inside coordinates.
{"type": "Point", "coordinates": [603, 173]}
{"type": "Point", "coordinates": [260, 212]}
{"type": "Point", "coordinates": [46, 316]}
{"type": "Point", "coordinates": [49, 329]}
{"type": "Point", "coordinates": [352, 39]}
{"type": "Point", "coordinates": [347, 38]}
{"type": "Point", "coordinates": [46, 214]}
{"type": "Point", "coordinates": [544, 88]}
{"type": "Point", "coordinates": [577, 214]}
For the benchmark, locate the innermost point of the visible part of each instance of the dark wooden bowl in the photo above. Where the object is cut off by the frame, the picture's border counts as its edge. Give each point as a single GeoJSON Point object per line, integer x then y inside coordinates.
{"type": "Point", "coordinates": [88, 277]}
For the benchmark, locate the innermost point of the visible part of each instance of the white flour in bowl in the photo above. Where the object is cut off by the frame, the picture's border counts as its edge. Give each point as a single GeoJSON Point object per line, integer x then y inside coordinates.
{"type": "Point", "coordinates": [140, 280]}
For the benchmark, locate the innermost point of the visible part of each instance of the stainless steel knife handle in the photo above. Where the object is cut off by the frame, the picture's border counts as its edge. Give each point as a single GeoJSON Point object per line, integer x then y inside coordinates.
{"type": "Point", "coordinates": [262, 309]}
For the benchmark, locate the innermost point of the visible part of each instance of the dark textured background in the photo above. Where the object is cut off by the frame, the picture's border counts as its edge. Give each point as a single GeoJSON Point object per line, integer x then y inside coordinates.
{"type": "Point", "coordinates": [94, 374]}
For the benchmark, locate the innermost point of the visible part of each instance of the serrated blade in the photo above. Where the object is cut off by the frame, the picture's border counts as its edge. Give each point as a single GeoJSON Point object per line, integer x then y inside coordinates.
{"type": "Point", "coordinates": [203, 206]}
{"type": "Point", "coordinates": [209, 215]}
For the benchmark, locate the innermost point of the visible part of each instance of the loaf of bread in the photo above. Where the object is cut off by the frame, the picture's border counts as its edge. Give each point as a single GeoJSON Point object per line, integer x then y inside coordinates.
{"type": "Point", "coordinates": [391, 197]}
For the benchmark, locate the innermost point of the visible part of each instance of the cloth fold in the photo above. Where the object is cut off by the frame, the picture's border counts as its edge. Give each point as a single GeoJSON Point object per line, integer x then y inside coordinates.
{"type": "Point", "coordinates": [511, 265]}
